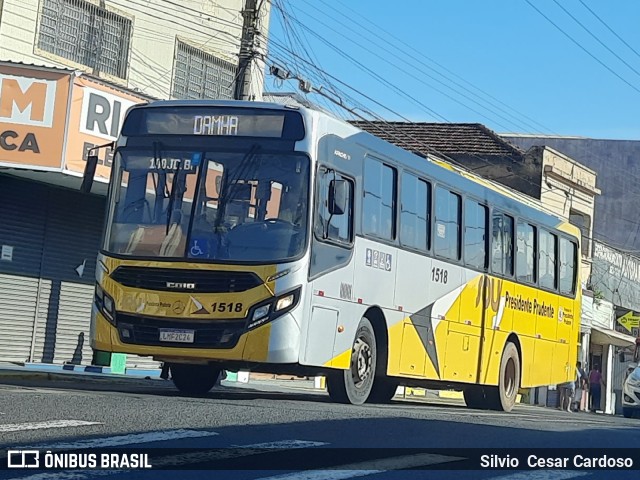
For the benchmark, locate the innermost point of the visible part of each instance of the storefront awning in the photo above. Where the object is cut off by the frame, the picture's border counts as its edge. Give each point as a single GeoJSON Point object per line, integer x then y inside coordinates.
{"type": "Point", "coordinates": [606, 336]}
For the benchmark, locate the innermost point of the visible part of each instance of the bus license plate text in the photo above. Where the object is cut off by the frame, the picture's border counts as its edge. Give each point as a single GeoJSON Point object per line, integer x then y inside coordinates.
{"type": "Point", "coordinates": [179, 336]}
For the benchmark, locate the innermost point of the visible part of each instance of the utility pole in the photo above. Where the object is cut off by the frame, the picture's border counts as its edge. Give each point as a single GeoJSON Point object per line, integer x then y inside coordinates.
{"type": "Point", "coordinates": [247, 50]}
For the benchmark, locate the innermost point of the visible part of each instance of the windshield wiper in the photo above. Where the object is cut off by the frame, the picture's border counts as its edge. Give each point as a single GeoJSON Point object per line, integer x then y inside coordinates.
{"type": "Point", "coordinates": [230, 187]}
{"type": "Point", "coordinates": [172, 196]}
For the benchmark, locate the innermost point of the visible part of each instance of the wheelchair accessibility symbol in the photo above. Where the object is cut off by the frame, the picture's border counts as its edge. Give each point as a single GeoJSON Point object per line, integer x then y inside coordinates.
{"type": "Point", "coordinates": [196, 251]}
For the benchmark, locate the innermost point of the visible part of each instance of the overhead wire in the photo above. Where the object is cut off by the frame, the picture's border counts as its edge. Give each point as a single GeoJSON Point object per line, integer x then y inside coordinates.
{"type": "Point", "coordinates": [579, 45]}
{"type": "Point", "coordinates": [609, 28]}
{"type": "Point", "coordinates": [594, 36]}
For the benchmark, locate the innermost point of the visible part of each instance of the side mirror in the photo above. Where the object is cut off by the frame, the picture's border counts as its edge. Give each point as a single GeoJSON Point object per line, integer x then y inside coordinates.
{"type": "Point", "coordinates": [89, 173]}
{"type": "Point", "coordinates": [338, 193]}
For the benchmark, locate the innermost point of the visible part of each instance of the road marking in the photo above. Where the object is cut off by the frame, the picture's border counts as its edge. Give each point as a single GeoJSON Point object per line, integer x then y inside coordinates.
{"type": "Point", "coordinates": [543, 475]}
{"type": "Point", "coordinates": [18, 427]}
{"type": "Point", "coordinates": [362, 469]}
{"type": "Point", "coordinates": [185, 459]}
{"type": "Point", "coordinates": [130, 439]}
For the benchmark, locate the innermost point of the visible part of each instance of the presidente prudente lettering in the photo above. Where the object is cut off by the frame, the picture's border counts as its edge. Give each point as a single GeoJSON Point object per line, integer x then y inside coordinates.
{"type": "Point", "coordinates": [528, 306]}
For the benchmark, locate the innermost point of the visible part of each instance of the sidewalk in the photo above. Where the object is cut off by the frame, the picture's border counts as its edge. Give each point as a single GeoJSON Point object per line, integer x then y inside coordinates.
{"type": "Point", "coordinates": [48, 371]}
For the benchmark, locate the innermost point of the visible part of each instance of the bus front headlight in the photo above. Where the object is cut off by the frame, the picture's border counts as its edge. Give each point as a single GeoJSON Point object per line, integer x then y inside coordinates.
{"type": "Point", "coordinates": [260, 312]}
{"type": "Point", "coordinates": [274, 308]}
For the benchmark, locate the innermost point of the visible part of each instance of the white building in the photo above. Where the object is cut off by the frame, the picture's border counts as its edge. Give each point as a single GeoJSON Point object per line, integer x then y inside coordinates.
{"type": "Point", "coordinates": [164, 48]}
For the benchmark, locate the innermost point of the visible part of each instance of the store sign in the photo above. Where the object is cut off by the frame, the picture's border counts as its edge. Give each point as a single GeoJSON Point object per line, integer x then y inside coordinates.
{"type": "Point", "coordinates": [27, 101]}
{"type": "Point", "coordinates": [103, 113]}
{"type": "Point", "coordinates": [95, 119]}
{"type": "Point", "coordinates": [33, 105]}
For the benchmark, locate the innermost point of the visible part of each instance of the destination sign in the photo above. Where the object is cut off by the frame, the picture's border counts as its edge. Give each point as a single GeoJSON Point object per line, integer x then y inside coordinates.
{"type": "Point", "coordinates": [213, 122]}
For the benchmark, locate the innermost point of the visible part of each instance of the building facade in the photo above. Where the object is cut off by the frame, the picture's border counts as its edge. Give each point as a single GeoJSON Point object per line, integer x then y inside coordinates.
{"type": "Point", "coordinates": [166, 49]}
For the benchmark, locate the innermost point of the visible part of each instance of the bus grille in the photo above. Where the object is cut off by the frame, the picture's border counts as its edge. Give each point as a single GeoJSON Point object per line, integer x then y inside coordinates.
{"type": "Point", "coordinates": [192, 281]}
{"type": "Point", "coordinates": [207, 334]}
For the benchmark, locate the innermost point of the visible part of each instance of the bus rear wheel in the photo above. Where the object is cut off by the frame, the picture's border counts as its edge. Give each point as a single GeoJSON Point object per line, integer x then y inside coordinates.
{"type": "Point", "coordinates": [503, 397]}
{"type": "Point", "coordinates": [355, 384]}
{"type": "Point", "coordinates": [194, 379]}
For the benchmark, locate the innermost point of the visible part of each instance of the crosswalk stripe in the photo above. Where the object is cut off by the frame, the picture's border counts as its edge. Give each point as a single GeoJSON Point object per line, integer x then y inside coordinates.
{"type": "Point", "coordinates": [372, 467]}
{"type": "Point", "coordinates": [129, 439]}
{"type": "Point", "coordinates": [18, 427]}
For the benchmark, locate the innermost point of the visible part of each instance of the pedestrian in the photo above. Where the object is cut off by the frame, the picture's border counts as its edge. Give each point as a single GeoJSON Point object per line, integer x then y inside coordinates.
{"type": "Point", "coordinates": [596, 382]}
{"type": "Point", "coordinates": [582, 386]}
{"type": "Point", "coordinates": [567, 392]}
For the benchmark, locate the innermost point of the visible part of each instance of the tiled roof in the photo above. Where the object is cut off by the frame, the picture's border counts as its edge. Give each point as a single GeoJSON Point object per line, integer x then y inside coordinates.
{"type": "Point", "coordinates": [446, 138]}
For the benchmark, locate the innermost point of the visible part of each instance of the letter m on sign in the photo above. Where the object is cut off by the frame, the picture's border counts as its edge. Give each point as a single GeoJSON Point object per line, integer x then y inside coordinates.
{"type": "Point", "coordinates": [27, 101]}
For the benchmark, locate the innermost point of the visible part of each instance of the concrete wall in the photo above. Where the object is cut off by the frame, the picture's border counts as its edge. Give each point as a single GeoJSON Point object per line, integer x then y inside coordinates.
{"type": "Point", "coordinates": [214, 26]}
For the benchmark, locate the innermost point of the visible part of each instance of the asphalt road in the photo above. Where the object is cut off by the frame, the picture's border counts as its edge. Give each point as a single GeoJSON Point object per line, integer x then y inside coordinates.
{"type": "Point", "coordinates": [263, 429]}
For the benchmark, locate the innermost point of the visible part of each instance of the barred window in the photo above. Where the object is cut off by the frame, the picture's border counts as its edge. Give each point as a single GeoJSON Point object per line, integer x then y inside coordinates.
{"type": "Point", "coordinates": [199, 75]}
{"type": "Point", "coordinates": [86, 34]}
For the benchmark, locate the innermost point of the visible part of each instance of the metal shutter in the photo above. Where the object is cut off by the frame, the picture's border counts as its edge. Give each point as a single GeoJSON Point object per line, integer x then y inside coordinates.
{"type": "Point", "coordinates": [146, 363]}
{"type": "Point", "coordinates": [22, 219]}
{"type": "Point", "coordinates": [72, 239]}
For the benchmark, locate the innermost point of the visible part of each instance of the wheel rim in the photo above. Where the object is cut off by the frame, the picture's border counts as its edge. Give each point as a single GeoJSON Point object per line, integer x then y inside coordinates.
{"type": "Point", "coordinates": [510, 378]}
{"type": "Point", "coordinates": [361, 360]}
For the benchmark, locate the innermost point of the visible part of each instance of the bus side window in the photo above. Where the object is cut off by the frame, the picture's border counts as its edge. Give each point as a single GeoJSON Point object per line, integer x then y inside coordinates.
{"type": "Point", "coordinates": [379, 217]}
{"type": "Point", "coordinates": [526, 248]}
{"type": "Point", "coordinates": [568, 256]}
{"type": "Point", "coordinates": [447, 238]}
{"type": "Point", "coordinates": [338, 228]}
{"type": "Point", "coordinates": [548, 260]}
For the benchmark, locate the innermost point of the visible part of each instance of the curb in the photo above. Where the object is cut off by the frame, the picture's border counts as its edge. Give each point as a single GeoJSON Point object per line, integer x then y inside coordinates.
{"type": "Point", "coordinates": [72, 372]}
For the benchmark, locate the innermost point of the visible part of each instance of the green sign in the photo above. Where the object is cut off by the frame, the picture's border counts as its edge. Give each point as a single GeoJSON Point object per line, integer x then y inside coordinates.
{"type": "Point", "coordinates": [118, 363]}
{"type": "Point", "coordinates": [629, 320]}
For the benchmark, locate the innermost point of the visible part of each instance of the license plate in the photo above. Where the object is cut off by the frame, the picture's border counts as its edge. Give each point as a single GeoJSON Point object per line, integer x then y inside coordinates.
{"type": "Point", "coordinates": [179, 336]}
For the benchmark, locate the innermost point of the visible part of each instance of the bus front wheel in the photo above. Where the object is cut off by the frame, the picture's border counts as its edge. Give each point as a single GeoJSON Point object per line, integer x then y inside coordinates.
{"type": "Point", "coordinates": [475, 396]}
{"type": "Point", "coordinates": [194, 379]}
{"type": "Point", "coordinates": [354, 385]}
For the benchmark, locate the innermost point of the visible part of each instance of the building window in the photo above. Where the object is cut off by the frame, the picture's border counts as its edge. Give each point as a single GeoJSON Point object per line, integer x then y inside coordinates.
{"type": "Point", "coordinates": [502, 245]}
{"type": "Point", "coordinates": [583, 222]}
{"type": "Point", "coordinates": [475, 234]}
{"type": "Point", "coordinates": [86, 34]}
{"type": "Point", "coordinates": [379, 199]}
{"type": "Point", "coordinates": [548, 260]}
{"type": "Point", "coordinates": [526, 247]}
{"type": "Point", "coordinates": [200, 75]}
{"type": "Point", "coordinates": [415, 208]}
{"type": "Point", "coordinates": [446, 239]}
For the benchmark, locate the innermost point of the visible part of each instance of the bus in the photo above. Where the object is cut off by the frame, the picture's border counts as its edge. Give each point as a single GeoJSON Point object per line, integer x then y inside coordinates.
{"type": "Point", "coordinates": [269, 238]}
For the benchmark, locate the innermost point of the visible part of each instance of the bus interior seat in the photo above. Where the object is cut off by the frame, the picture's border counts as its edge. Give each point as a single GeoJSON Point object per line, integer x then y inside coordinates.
{"type": "Point", "coordinates": [174, 238]}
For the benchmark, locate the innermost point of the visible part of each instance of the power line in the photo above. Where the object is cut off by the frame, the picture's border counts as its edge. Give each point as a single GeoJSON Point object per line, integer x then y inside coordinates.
{"type": "Point", "coordinates": [609, 28]}
{"type": "Point", "coordinates": [581, 47]}
{"type": "Point", "coordinates": [596, 37]}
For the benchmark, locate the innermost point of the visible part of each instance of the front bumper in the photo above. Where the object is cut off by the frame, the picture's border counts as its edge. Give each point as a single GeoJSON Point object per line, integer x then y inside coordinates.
{"type": "Point", "coordinates": [631, 396]}
{"type": "Point", "coordinates": [258, 345]}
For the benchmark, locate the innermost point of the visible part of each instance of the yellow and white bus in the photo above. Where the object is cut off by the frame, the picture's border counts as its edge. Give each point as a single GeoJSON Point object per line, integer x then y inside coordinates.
{"type": "Point", "coordinates": [244, 235]}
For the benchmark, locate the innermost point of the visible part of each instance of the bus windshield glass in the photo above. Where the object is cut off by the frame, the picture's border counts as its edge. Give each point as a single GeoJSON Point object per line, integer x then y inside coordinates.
{"type": "Point", "coordinates": [219, 206]}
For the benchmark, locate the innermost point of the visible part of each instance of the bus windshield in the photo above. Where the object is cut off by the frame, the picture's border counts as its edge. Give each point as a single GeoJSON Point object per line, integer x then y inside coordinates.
{"type": "Point", "coordinates": [226, 206]}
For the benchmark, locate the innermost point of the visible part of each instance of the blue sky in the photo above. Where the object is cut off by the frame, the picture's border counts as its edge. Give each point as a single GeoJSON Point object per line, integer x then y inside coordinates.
{"type": "Point", "coordinates": [515, 71]}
